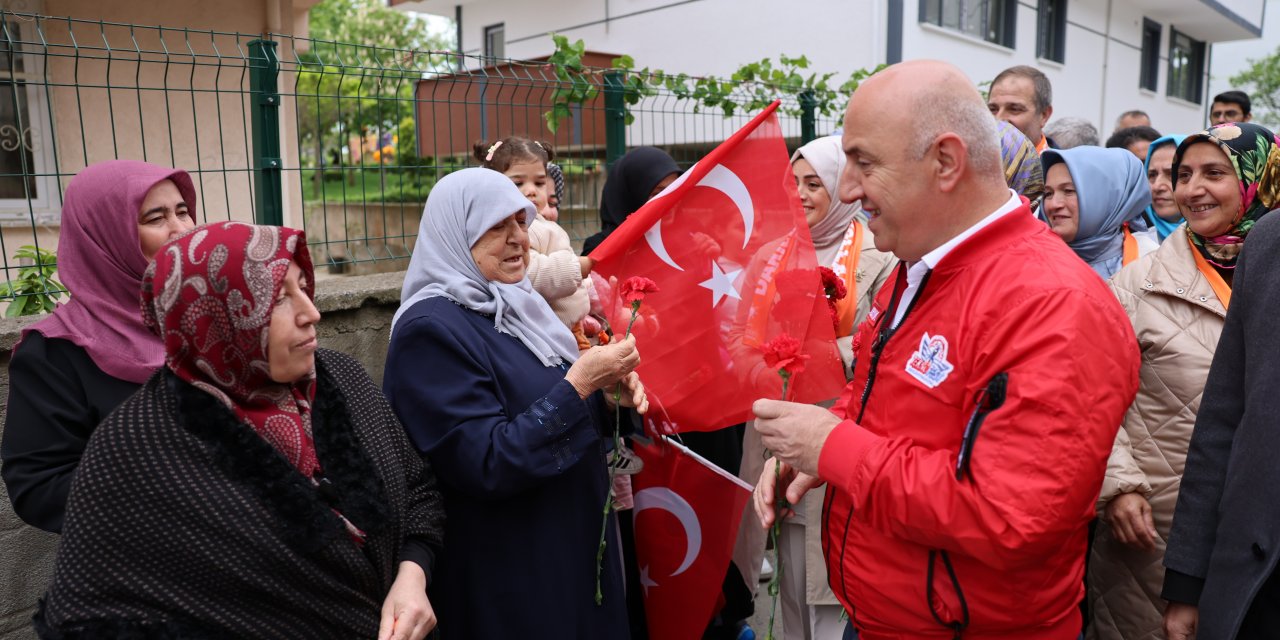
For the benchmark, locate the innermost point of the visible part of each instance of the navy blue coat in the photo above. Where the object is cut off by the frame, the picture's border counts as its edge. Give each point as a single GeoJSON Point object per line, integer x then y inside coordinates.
{"type": "Point", "coordinates": [520, 462]}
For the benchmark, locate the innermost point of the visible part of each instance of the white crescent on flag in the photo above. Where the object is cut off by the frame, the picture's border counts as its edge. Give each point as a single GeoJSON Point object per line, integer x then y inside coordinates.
{"type": "Point", "coordinates": [721, 179]}
{"type": "Point", "coordinates": [668, 500]}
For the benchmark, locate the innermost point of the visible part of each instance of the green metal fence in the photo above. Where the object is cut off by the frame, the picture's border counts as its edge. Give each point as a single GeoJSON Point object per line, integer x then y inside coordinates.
{"type": "Point", "coordinates": [342, 139]}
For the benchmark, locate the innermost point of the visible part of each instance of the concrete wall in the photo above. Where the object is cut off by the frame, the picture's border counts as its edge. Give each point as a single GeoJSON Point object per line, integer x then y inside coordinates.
{"type": "Point", "coordinates": [357, 314]}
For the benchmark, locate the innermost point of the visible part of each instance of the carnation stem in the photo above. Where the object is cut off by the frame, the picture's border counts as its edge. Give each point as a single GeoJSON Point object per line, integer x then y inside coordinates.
{"type": "Point", "coordinates": [613, 461]}
{"type": "Point", "coordinates": [775, 532]}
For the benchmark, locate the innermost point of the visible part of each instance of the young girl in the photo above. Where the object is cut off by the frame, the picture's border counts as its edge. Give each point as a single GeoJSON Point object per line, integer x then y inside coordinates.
{"type": "Point", "coordinates": [557, 273]}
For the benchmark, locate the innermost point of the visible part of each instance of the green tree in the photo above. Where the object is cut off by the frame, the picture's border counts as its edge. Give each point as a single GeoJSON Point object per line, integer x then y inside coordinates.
{"type": "Point", "coordinates": [357, 76]}
{"type": "Point", "coordinates": [1262, 80]}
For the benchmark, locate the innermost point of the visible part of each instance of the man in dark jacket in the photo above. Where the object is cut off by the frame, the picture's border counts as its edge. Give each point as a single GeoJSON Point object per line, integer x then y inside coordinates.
{"type": "Point", "coordinates": [1220, 577]}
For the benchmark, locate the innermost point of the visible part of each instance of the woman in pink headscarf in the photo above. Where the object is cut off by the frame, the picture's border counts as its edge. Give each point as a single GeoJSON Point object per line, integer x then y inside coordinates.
{"type": "Point", "coordinates": [73, 368]}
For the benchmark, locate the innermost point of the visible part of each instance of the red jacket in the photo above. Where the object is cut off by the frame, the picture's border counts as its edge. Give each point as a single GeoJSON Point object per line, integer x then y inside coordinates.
{"type": "Point", "coordinates": [1011, 299]}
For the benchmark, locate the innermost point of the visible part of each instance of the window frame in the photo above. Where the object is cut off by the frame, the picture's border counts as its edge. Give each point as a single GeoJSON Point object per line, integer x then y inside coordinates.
{"type": "Point", "coordinates": [1058, 30]}
{"type": "Point", "coordinates": [38, 138]}
{"type": "Point", "coordinates": [1007, 35]}
{"type": "Point", "coordinates": [1149, 65]}
{"type": "Point", "coordinates": [500, 30]}
{"type": "Point", "coordinates": [1195, 59]}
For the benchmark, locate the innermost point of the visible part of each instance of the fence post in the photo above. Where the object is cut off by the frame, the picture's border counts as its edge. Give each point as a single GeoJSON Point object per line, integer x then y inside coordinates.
{"type": "Point", "coordinates": [808, 117]}
{"type": "Point", "coordinates": [264, 109]}
{"type": "Point", "coordinates": [615, 118]}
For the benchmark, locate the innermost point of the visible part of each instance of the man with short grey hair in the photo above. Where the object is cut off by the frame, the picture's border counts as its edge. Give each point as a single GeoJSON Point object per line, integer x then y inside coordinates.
{"type": "Point", "coordinates": [1134, 118]}
{"type": "Point", "coordinates": [1069, 133]}
{"type": "Point", "coordinates": [964, 458]}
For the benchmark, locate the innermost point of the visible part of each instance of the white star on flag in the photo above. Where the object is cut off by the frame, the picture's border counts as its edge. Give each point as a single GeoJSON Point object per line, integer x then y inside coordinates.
{"type": "Point", "coordinates": [645, 580]}
{"type": "Point", "coordinates": [721, 284]}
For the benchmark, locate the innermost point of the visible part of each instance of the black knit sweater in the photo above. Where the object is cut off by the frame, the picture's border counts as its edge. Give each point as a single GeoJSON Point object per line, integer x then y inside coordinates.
{"type": "Point", "coordinates": [183, 522]}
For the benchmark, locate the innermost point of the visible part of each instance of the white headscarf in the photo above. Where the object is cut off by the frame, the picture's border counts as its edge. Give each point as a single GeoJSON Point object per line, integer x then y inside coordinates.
{"type": "Point", "coordinates": [462, 207]}
{"type": "Point", "coordinates": [827, 157]}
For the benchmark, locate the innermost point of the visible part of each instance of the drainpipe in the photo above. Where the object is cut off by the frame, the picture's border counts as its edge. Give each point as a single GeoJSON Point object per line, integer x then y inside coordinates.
{"type": "Point", "coordinates": [1106, 65]}
{"type": "Point", "coordinates": [1204, 79]}
{"type": "Point", "coordinates": [274, 24]}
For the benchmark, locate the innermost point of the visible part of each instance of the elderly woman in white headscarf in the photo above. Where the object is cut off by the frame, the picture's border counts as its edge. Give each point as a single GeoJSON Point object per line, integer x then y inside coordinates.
{"type": "Point", "coordinates": [844, 244]}
{"type": "Point", "coordinates": [491, 388]}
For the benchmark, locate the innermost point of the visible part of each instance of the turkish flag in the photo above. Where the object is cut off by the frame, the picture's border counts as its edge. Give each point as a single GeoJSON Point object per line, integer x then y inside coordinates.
{"type": "Point", "coordinates": [687, 512]}
{"type": "Point", "coordinates": [728, 246]}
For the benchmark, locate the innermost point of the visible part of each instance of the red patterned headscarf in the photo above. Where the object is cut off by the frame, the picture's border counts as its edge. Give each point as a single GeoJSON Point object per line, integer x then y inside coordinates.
{"type": "Point", "coordinates": [209, 296]}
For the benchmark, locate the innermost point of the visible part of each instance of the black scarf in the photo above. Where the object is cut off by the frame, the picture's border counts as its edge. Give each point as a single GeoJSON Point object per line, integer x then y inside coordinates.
{"type": "Point", "coordinates": [630, 182]}
{"type": "Point", "coordinates": [197, 527]}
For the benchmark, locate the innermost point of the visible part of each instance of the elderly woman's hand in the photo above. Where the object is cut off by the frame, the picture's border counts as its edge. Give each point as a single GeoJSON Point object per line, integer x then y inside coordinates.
{"type": "Point", "coordinates": [632, 394]}
{"type": "Point", "coordinates": [407, 613]}
{"type": "Point", "coordinates": [600, 367]}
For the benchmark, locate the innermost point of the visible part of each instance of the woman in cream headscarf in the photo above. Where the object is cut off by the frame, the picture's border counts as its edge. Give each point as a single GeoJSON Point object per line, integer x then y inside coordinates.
{"type": "Point", "coordinates": [492, 390]}
{"type": "Point", "coordinates": [845, 245]}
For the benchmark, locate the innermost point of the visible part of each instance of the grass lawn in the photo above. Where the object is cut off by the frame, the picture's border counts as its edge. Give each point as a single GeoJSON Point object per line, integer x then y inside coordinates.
{"type": "Point", "coordinates": [370, 185]}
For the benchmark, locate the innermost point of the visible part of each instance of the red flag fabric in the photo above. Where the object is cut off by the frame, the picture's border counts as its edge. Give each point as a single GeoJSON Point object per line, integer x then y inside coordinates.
{"type": "Point", "coordinates": [687, 512]}
{"type": "Point", "coordinates": [729, 248]}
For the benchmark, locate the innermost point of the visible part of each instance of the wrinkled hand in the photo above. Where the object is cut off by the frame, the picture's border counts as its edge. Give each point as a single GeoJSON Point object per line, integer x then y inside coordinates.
{"type": "Point", "coordinates": [632, 394]}
{"type": "Point", "coordinates": [601, 367]}
{"type": "Point", "coordinates": [407, 613]}
{"type": "Point", "coordinates": [1180, 621]}
{"type": "Point", "coordinates": [765, 494]}
{"type": "Point", "coordinates": [794, 432]}
{"type": "Point", "coordinates": [1131, 521]}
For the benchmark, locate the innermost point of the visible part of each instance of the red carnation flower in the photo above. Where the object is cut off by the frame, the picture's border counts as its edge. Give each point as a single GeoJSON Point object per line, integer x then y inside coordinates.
{"type": "Point", "coordinates": [783, 353]}
{"type": "Point", "coordinates": [832, 284]}
{"type": "Point", "coordinates": [636, 288]}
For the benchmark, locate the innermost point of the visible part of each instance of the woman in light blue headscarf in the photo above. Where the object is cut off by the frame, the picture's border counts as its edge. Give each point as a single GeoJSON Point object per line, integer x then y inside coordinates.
{"type": "Point", "coordinates": [490, 385]}
{"type": "Point", "coordinates": [1094, 199]}
{"type": "Point", "coordinates": [1163, 213]}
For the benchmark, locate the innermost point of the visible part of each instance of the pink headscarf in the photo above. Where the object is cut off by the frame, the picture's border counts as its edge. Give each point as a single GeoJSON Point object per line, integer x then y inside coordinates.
{"type": "Point", "coordinates": [100, 261]}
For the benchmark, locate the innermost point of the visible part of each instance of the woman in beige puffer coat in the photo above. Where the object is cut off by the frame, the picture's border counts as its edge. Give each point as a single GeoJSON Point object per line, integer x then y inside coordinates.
{"type": "Point", "coordinates": [1177, 299]}
{"type": "Point", "coordinates": [1177, 318]}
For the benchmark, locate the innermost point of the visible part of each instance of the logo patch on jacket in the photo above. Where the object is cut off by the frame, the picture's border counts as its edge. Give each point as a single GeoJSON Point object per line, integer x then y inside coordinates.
{"type": "Point", "coordinates": [929, 363]}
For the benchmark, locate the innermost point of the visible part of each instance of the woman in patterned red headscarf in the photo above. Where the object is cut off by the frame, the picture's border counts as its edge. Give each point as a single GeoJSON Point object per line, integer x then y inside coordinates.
{"type": "Point", "coordinates": [256, 486]}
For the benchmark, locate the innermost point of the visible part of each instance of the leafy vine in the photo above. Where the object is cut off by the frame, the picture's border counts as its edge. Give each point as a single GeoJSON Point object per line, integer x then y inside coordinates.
{"type": "Point", "coordinates": [752, 87]}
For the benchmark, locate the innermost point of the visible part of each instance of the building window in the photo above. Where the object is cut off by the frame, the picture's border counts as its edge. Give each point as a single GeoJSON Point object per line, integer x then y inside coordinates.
{"type": "Point", "coordinates": [495, 41]}
{"type": "Point", "coordinates": [27, 184]}
{"type": "Point", "coordinates": [1148, 75]}
{"type": "Point", "coordinates": [1051, 36]}
{"type": "Point", "coordinates": [1186, 67]}
{"type": "Point", "coordinates": [990, 20]}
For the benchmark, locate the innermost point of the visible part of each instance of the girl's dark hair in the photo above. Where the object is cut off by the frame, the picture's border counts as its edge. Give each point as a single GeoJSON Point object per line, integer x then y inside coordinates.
{"type": "Point", "coordinates": [512, 150]}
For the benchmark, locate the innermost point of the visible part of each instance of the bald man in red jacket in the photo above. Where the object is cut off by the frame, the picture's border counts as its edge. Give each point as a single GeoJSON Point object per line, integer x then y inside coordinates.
{"type": "Point", "coordinates": [963, 461]}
